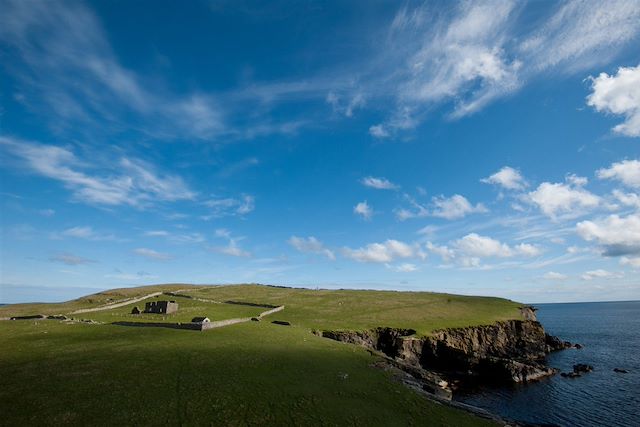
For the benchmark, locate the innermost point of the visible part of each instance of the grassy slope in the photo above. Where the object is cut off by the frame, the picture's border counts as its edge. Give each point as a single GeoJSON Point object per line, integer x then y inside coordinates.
{"type": "Point", "coordinates": [253, 373]}
{"type": "Point", "coordinates": [348, 309]}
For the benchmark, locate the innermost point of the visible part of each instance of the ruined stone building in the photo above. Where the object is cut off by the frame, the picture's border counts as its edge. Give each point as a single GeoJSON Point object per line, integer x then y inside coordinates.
{"type": "Point", "coordinates": [161, 307]}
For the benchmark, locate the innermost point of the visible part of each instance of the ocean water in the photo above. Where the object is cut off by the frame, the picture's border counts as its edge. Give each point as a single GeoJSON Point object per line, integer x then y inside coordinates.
{"type": "Point", "coordinates": [610, 334]}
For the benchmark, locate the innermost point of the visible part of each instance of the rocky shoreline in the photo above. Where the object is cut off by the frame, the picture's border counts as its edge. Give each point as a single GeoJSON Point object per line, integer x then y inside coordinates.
{"type": "Point", "coordinates": [506, 352]}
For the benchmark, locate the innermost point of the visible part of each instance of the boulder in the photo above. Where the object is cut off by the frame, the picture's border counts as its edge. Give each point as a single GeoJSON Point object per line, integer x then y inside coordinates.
{"type": "Point", "coordinates": [582, 368]}
{"type": "Point", "coordinates": [570, 375]}
{"type": "Point", "coordinates": [255, 319]}
{"type": "Point", "coordinates": [620, 371]}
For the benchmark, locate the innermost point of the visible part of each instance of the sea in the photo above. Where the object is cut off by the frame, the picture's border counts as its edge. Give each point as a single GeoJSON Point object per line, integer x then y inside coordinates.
{"type": "Point", "coordinates": [610, 335]}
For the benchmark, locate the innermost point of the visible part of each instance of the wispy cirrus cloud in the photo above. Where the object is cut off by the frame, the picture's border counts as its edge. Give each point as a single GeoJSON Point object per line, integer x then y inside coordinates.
{"type": "Point", "coordinates": [130, 182]}
{"type": "Point", "coordinates": [152, 254]}
{"type": "Point", "coordinates": [476, 52]}
{"type": "Point", "coordinates": [379, 183]}
{"type": "Point", "coordinates": [311, 245]}
{"type": "Point", "coordinates": [230, 206]}
{"type": "Point", "coordinates": [232, 248]}
{"type": "Point", "coordinates": [70, 259]}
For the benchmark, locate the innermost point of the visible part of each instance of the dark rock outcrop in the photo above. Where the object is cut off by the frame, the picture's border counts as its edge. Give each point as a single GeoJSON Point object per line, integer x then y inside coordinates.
{"type": "Point", "coordinates": [620, 371]}
{"type": "Point", "coordinates": [582, 368]}
{"type": "Point", "coordinates": [505, 352]}
{"type": "Point", "coordinates": [281, 322]}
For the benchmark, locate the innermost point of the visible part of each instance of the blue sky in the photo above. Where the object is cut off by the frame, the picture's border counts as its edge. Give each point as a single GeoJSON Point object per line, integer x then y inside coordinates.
{"type": "Point", "coordinates": [488, 148]}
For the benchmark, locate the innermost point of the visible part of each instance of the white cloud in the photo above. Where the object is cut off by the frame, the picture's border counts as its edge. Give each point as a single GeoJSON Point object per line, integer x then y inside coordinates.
{"type": "Point", "coordinates": [346, 106]}
{"type": "Point", "coordinates": [476, 246]}
{"type": "Point", "coordinates": [627, 199]}
{"type": "Point", "coordinates": [601, 274]}
{"type": "Point", "coordinates": [310, 245]}
{"type": "Point", "coordinates": [447, 254]}
{"type": "Point", "coordinates": [177, 238]}
{"type": "Point", "coordinates": [383, 252]}
{"type": "Point", "coordinates": [132, 182]}
{"type": "Point", "coordinates": [403, 268]}
{"type": "Point", "coordinates": [83, 232]}
{"type": "Point", "coordinates": [508, 178]}
{"type": "Point", "coordinates": [462, 58]}
{"type": "Point", "coordinates": [633, 262]}
{"type": "Point", "coordinates": [418, 210]}
{"type": "Point", "coordinates": [378, 183]}
{"type": "Point", "coordinates": [526, 249]}
{"type": "Point", "coordinates": [364, 210]}
{"type": "Point", "coordinates": [230, 206]}
{"type": "Point", "coordinates": [619, 95]}
{"type": "Point", "coordinates": [379, 131]}
{"type": "Point", "coordinates": [151, 254]}
{"type": "Point", "coordinates": [626, 171]}
{"type": "Point", "coordinates": [552, 275]}
{"type": "Point", "coordinates": [79, 232]}
{"type": "Point", "coordinates": [455, 207]}
{"type": "Point", "coordinates": [156, 233]}
{"type": "Point", "coordinates": [616, 235]}
{"type": "Point", "coordinates": [70, 259]}
{"type": "Point", "coordinates": [47, 212]}
{"type": "Point", "coordinates": [481, 246]}
{"type": "Point", "coordinates": [558, 198]}
{"type": "Point", "coordinates": [581, 34]}
{"type": "Point", "coordinates": [232, 248]}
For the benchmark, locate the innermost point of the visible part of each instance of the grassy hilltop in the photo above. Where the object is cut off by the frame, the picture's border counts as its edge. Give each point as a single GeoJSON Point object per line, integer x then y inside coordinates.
{"type": "Point", "coordinates": [54, 372]}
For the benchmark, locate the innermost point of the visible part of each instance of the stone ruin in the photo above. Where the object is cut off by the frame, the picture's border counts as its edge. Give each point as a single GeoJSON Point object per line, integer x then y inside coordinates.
{"type": "Point", "coordinates": [161, 307]}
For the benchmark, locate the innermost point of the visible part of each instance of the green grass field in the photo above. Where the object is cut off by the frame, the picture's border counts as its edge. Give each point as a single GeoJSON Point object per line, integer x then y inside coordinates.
{"type": "Point", "coordinates": [255, 373]}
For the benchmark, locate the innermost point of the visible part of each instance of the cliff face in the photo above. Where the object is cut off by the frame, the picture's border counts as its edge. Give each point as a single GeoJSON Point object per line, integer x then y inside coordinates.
{"type": "Point", "coordinates": [505, 352]}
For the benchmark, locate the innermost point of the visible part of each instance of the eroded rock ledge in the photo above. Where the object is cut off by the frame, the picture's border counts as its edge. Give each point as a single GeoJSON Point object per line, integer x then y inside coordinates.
{"type": "Point", "coordinates": [505, 352]}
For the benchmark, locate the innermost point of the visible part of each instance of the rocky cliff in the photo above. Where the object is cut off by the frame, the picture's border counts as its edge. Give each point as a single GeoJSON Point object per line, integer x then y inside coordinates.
{"type": "Point", "coordinates": [505, 352]}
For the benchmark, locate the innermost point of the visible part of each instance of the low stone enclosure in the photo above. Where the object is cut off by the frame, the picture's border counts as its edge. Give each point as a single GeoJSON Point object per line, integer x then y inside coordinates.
{"type": "Point", "coordinates": [198, 326]}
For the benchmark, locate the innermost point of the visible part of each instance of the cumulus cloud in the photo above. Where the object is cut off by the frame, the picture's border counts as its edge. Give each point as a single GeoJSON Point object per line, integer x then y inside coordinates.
{"type": "Point", "coordinates": [620, 95]}
{"type": "Point", "coordinates": [152, 254]}
{"type": "Point", "coordinates": [600, 274]}
{"type": "Point", "coordinates": [363, 209]}
{"type": "Point", "coordinates": [379, 131]}
{"type": "Point", "coordinates": [633, 262]}
{"type": "Point", "coordinates": [627, 199]}
{"type": "Point", "coordinates": [508, 178]}
{"type": "Point", "coordinates": [131, 182]}
{"type": "Point", "coordinates": [563, 198]}
{"type": "Point", "coordinates": [378, 183]}
{"type": "Point", "coordinates": [455, 207]}
{"type": "Point", "coordinates": [310, 245]}
{"type": "Point", "coordinates": [447, 254]}
{"type": "Point", "coordinates": [476, 246]}
{"type": "Point", "coordinates": [83, 232]}
{"type": "Point", "coordinates": [615, 235]}
{"type": "Point", "coordinates": [385, 252]}
{"type": "Point", "coordinates": [626, 171]}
